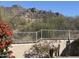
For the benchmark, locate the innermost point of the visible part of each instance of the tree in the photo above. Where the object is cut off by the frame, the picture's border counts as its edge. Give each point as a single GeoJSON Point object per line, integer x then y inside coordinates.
{"type": "Point", "coordinates": [33, 9]}
{"type": "Point", "coordinates": [75, 22]}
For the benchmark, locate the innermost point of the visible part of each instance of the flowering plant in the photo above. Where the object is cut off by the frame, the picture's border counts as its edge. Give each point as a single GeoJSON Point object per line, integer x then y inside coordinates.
{"type": "Point", "coordinates": [5, 39]}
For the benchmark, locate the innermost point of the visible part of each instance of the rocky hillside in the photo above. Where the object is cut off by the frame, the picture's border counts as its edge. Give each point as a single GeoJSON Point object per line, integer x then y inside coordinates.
{"type": "Point", "coordinates": [32, 19]}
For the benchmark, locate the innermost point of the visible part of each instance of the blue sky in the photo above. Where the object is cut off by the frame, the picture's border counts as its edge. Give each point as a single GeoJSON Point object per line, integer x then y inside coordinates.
{"type": "Point", "coordinates": [69, 8]}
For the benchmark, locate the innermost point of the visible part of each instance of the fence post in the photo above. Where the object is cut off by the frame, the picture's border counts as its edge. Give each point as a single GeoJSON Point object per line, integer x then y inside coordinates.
{"type": "Point", "coordinates": [69, 35]}
{"type": "Point", "coordinates": [36, 37]}
{"type": "Point", "coordinates": [53, 34]}
{"type": "Point", "coordinates": [41, 33]}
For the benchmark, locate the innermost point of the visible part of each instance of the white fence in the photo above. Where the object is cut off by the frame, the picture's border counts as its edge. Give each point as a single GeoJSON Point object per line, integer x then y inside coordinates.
{"type": "Point", "coordinates": [26, 37]}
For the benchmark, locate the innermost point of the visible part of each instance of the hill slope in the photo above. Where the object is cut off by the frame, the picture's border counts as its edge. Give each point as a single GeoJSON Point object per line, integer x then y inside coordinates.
{"type": "Point", "coordinates": [32, 19]}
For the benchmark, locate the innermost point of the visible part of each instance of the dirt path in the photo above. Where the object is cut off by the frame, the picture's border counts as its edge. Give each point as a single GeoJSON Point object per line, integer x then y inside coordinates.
{"type": "Point", "coordinates": [19, 49]}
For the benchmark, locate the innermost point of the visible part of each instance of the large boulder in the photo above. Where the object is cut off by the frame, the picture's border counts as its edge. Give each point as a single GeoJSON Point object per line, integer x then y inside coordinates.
{"type": "Point", "coordinates": [72, 49]}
